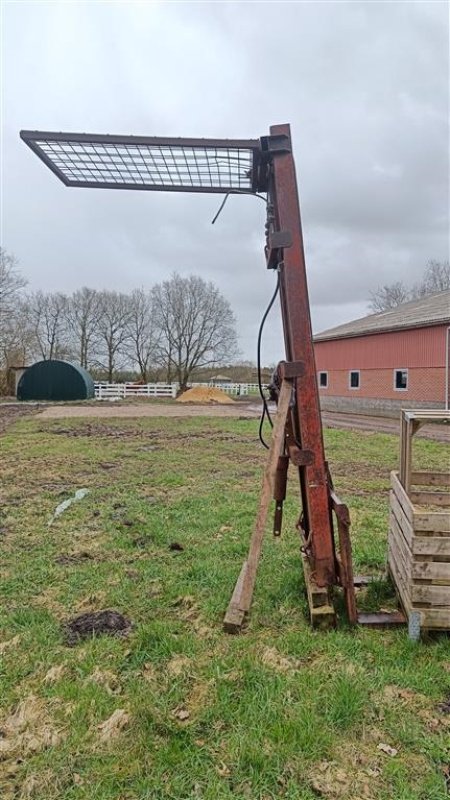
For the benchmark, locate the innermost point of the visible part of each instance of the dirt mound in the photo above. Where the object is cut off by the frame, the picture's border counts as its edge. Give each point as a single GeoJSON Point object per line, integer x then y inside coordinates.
{"type": "Point", "coordinates": [88, 625]}
{"type": "Point", "coordinates": [204, 394]}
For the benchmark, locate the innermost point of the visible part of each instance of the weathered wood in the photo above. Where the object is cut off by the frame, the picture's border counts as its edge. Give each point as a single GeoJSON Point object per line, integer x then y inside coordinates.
{"type": "Point", "coordinates": [431, 545]}
{"type": "Point", "coordinates": [435, 595]}
{"type": "Point", "coordinates": [430, 478]}
{"type": "Point", "coordinates": [431, 570]}
{"type": "Point", "coordinates": [436, 521]}
{"type": "Point", "coordinates": [235, 616]}
{"type": "Point", "coordinates": [435, 618]}
{"type": "Point", "coordinates": [399, 581]}
{"type": "Point", "coordinates": [398, 543]}
{"type": "Point", "coordinates": [401, 520]}
{"type": "Point", "coordinates": [243, 591]}
{"type": "Point", "coordinates": [401, 496]}
{"type": "Point", "coordinates": [430, 498]}
{"type": "Point", "coordinates": [419, 536]}
{"type": "Point", "coordinates": [276, 443]}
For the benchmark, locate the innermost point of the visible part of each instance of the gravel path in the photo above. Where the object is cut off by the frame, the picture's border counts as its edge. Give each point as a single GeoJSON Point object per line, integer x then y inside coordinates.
{"type": "Point", "coordinates": [112, 410]}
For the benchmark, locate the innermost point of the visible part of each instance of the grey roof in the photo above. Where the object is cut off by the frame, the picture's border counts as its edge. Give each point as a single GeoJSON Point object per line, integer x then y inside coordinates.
{"type": "Point", "coordinates": [431, 310]}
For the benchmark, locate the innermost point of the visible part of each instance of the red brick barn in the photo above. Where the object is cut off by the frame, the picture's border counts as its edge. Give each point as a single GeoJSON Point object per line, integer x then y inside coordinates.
{"type": "Point", "coordinates": [387, 361]}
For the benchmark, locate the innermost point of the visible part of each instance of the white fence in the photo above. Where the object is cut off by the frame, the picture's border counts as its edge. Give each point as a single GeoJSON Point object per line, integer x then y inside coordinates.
{"type": "Point", "coordinates": [108, 391]}
{"type": "Point", "coordinates": [239, 389]}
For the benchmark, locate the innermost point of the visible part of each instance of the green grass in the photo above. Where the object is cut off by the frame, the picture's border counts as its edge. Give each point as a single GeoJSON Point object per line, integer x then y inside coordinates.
{"type": "Point", "coordinates": [279, 712]}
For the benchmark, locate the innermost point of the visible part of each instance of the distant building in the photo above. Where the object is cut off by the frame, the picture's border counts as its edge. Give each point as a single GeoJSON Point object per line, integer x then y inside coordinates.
{"type": "Point", "coordinates": [220, 379]}
{"type": "Point", "coordinates": [387, 361]}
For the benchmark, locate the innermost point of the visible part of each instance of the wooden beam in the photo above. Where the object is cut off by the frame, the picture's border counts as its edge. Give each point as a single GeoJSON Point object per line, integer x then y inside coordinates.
{"type": "Point", "coordinates": [243, 592]}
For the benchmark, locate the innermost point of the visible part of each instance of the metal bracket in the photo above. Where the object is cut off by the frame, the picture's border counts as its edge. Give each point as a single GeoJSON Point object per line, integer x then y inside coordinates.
{"type": "Point", "coordinates": [278, 143]}
{"type": "Point", "coordinates": [300, 458]}
{"type": "Point", "coordinates": [276, 241]}
{"type": "Point", "coordinates": [291, 369]}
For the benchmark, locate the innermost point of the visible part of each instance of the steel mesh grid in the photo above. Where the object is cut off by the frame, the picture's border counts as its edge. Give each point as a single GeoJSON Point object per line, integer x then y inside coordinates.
{"type": "Point", "coordinates": [189, 165]}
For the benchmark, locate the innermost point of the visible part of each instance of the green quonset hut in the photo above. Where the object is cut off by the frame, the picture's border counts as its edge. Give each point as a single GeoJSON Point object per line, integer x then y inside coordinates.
{"type": "Point", "coordinates": [55, 380]}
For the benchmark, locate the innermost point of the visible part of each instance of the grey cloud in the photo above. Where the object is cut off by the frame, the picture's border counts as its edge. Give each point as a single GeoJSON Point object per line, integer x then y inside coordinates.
{"type": "Point", "coordinates": [364, 85]}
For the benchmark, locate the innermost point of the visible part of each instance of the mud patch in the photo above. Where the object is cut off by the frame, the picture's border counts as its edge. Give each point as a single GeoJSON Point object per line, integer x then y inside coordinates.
{"type": "Point", "coordinates": [97, 623]}
{"type": "Point", "coordinates": [11, 414]}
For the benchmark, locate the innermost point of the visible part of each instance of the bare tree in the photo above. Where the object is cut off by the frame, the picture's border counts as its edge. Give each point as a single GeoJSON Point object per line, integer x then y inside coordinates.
{"type": "Point", "coordinates": [83, 313]}
{"type": "Point", "coordinates": [196, 324]}
{"type": "Point", "coordinates": [14, 340]}
{"type": "Point", "coordinates": [436, 278]}
{"type": "Point", "coordinates": [113, 328]}
{"type": "Point", "coordinates": [11, 281]}
{"type": "Point", "coordinates": [389, 296]}
{"type": "Point", "coordinates": [46, 314]}
{"type": "Point", "coordinates": [143, 334]}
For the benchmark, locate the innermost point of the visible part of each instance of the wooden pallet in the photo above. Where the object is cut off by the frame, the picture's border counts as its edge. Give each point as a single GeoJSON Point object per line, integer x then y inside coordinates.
{"type": "Point", "coordinates": [419, 547]}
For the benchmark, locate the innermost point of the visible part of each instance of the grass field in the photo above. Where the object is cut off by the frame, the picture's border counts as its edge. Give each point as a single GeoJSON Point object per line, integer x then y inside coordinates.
{"type": "Point", "coordinates": [177, 709]}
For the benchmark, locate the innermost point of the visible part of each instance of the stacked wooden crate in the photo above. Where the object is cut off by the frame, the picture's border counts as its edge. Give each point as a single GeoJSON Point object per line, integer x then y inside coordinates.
{"type": "Point", "coordinates": [419, 534]}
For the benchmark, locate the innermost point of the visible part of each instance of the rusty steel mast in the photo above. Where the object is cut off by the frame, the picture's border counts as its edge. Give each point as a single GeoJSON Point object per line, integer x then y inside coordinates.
{"type": "Point", "coordinates": [248, 166]}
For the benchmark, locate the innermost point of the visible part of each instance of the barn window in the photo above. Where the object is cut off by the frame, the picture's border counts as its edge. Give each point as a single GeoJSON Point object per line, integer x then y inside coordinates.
{"type": "Point", "coordinates": [323, 380]}
{"type": "Point", "coordinates": [400, 379]}
{"type": "Point", "coordinates": [353, 380]}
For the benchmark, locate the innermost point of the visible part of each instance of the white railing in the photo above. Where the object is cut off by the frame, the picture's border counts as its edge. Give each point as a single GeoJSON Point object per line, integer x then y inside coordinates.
{"type": "Point", "coordinates": [107, 391]}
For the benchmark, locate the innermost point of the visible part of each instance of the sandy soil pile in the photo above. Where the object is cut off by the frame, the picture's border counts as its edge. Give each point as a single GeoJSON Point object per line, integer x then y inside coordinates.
{"type": "Point", "coordinates": [204, 394]}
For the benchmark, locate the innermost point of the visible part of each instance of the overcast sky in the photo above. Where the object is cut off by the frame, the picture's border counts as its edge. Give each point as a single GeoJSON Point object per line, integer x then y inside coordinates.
{"type": "Point", "coordinates": [364, 85]}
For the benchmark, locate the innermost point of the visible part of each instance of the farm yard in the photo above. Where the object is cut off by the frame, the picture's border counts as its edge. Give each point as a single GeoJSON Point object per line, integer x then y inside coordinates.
{"type": "Point", "coordinates": [170, 706]}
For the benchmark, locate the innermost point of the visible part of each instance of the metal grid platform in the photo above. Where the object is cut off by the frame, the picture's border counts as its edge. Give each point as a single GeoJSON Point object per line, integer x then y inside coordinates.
{"type": "Point", "coordinates": [133, 162]}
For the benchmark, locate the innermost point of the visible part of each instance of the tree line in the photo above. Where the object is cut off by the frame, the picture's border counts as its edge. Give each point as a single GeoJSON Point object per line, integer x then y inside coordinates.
{"type": "Point", "coordinates": [165, 332]}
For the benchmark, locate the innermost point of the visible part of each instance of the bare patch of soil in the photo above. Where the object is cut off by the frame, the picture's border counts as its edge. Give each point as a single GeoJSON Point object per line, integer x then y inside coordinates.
{"type": "Point", "coordinates": [96, 623]}
{"type": "Point", "coordinates": [361, 422]}
{"type": "Point", "coordinates": [150, 410]}
{"type": "Point", "coordinates": [28, 729]}
{"type": "Point", "coordinates": [9, 414]}
{"type": "Point", "coordinates": [112, 727]}
{"type": "Point", "coordinates": [66, 559]}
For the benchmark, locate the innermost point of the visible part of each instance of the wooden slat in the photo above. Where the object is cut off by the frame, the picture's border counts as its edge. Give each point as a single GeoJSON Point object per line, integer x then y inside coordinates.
{"type": "Point", "coordinates": [431, 570]}
{"type": "Point", "coordinates": [436, 521]}
{"type": "Point", "coordinates": [401, 496]}
{"type": "Point", "coordinates": [402, 566]}
{"type": "Point", "coordinates": [431, 545]}
{"type": "Point", "coordinates": [430, 498]}
{"type": "Point", "coordinates": [400, 583]}
{"type": "Point", "coordinates": [435, 618]}
{"type": "Point", "coordinates": [397, 540]}
{"type": "Point", "coordinates": [402, 522]}
{"type": "Point", "coordinates": [436, 595]}
{"type": "Point", "coordinates": [430, 478]}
